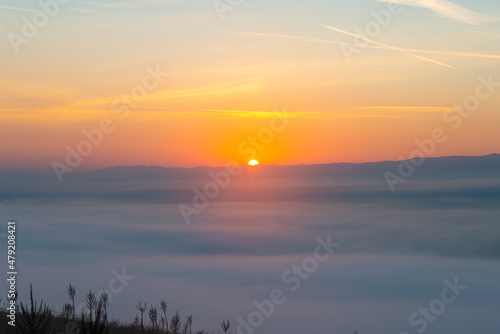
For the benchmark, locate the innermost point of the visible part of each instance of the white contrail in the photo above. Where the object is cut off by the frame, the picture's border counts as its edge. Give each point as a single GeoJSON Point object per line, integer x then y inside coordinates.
{"type": "Point", "coordinates": [17, 8]}
{"type": "Point", "coordinates": [325, 41]}
{"type": "Point", "coordinates": [448, 9]}
{"type": "Point", "coordinates": [386, 46]}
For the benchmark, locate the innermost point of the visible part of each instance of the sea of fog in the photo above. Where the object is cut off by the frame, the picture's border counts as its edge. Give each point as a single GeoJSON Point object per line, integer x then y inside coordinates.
{"type": "Point", "coordinates": [273, 255]}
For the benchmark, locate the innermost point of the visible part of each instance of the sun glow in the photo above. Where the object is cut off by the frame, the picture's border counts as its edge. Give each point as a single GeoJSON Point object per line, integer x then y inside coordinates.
{"type": "Point", "coordinates": [253, 163]}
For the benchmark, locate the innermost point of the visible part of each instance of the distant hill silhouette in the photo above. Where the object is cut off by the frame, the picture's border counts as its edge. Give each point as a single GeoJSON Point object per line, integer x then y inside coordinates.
{"type": "Point", "coordinates": [446, 168]}
{"type": "Point", "coordinates": [154, 184]}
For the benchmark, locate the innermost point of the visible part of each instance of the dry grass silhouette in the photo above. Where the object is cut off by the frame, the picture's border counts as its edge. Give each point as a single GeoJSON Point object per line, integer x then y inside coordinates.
{"type": "Point", "coordinates": [35, 319]}
{"type": "Point", "coordinates": [38, 318]}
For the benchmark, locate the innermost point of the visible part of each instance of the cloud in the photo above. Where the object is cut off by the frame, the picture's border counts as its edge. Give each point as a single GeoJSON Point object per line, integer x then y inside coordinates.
{"type": "Point", "coordinates": [447, 9]}
{"type": "Point", "coordinates": [83, 10]}
{"type": "Point", "coordinates": [456, 53]}
{"type": "Point", "coordinates": [386, 46]}
{"type": "Point", "coordinates": [396, 250]}
{"type": "Point", "coordinates": [429, 216]}
{"type": "Point", "coordinates": [378, 45]}
{"type": "Point", "coordinates": [20, 9]}
{"type": "Point", "coordinates": [107, 5]}
{"type": "Point", "coordinates": [412, 109]}
{"type": "Point", "coordinates": [324, 41]}
{"type": "Point", "coordinates": [300, 38]}
{"type": "Point", "coordinates": [486, 34]}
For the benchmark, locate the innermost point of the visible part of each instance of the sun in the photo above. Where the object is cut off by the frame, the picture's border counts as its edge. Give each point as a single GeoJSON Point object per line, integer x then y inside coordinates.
{"type": "Point", "coordinates": [253, 163]}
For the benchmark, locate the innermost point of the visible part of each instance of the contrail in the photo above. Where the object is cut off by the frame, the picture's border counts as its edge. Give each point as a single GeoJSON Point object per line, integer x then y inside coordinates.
{"type": "Point", "coordinates": [386, 46]}
{"type": "Point", "coordinates": [300, 38]}
{"type": "Point", "coordinates": [21, 9]}
{"type": "Point", "coordinates": [324, 41]}
{"type": "Point", "coordinates": [447, 9]}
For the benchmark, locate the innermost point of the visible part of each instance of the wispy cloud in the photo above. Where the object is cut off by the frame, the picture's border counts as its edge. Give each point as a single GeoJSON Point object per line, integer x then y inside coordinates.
{"type": "Point", "coordinates": [56, 104]}
{"type": "Point", "coordinates": [229, 87]}
{"type": "Point", "coordinates": [300, 38]}
{"type": "Point", "coordinates": [455, 53]}
{"type": "Point", "coordinates": [107, 4]}
{"type": "Point", "coordinates": [324, 41]}
{"type": "Point", "coordinates": [83, 10]}
{"type": "Point", "coordinates": [228, 112]}
{"type": "Point", "coordinates": [490, 34]}
{"type": "Point", "coordinates": [386, 46]}
{"type": "Point", "coordinates": [17, 8]}
{"type": "Point", "coordinates": [410, 109]}
{"type": "Point", "coordinates": [448, 9]}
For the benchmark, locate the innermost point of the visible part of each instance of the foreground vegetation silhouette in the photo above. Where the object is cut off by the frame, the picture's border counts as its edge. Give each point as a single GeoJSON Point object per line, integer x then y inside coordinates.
{"type": "Point", "coordinates": [38, 318]}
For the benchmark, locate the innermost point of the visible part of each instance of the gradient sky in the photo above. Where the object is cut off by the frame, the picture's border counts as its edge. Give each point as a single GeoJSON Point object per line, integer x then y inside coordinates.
{"type": "Point", "coordinates": [226, 77]}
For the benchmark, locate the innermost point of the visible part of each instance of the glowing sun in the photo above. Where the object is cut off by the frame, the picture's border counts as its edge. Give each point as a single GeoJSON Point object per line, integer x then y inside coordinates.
{"type": "Point", "coordinates": [253, 163]}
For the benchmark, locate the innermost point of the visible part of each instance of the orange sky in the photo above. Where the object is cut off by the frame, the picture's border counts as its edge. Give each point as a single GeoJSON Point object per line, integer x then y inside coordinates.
{"type": "Point", "coordinates": [226, 78]}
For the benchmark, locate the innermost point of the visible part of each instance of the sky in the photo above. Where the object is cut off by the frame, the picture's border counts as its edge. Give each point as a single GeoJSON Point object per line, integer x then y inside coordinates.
{"type": "Point", "coordinates": [87, 85]}
{"type": "Point", "coordinates": [231, 68]}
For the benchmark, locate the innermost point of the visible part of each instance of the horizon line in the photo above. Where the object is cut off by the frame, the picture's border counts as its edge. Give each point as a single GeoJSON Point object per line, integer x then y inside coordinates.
{"type": "Point", "coordinates": [43, 171]}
